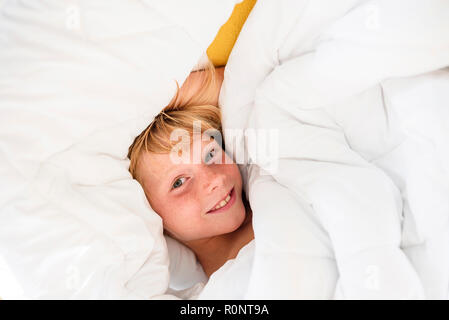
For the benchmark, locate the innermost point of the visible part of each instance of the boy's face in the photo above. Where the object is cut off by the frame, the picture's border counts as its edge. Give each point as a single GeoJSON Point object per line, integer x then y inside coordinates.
{"type": "Point", "coordinates": [184, 194]}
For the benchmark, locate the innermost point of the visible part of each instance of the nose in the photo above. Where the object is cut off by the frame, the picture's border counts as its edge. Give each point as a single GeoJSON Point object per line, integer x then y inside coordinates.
{"type": "Point", "coordinates": [213, 178]}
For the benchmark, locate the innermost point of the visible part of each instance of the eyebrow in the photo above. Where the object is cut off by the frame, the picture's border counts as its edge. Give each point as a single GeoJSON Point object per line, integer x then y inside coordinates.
{"type": "Point", "coordinates": [168, 172]}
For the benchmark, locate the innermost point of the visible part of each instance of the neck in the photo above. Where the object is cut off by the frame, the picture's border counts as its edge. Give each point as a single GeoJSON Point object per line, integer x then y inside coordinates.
{"type": "Point", "coordinates": [213, 252]}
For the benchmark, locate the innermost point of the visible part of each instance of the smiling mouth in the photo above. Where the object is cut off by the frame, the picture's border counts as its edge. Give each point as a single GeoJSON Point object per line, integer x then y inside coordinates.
{"type": "Point", "coordinates": [224, 204]}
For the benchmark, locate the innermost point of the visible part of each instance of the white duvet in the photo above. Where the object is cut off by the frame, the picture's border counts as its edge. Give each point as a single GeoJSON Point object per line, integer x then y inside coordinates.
{"type": "Point", "coordinates": [358, 204]}
{"type": "Point", "coordinates": [78, 81]}
{"type": "Point", "coordinates": [357, 207]}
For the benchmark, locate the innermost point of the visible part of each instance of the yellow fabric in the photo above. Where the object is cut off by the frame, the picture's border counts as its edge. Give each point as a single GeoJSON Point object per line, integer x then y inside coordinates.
{"type": "Point", "coordinates": [219, 50]}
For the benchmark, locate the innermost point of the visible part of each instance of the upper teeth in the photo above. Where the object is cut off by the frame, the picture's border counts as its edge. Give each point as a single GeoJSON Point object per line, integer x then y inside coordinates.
{"type": "Point", "coordinates": [223, 202]}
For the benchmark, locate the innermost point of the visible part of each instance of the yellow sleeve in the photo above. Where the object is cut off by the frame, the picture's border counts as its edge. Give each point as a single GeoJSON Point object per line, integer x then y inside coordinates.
{"type": "Point", "coordinates": [219, 50]}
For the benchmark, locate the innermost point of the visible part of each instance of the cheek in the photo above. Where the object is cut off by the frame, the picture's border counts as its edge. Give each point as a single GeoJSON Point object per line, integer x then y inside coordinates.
{"type": "Point", "coordinates": [180, 214]}
{"type": "Point", "coordinates": [234, 173]}
{"type": "Point", "coordinates": [232, 170]}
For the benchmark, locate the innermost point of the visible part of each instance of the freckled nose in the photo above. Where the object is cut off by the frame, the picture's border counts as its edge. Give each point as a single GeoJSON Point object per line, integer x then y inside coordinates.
{"type": "Point", "coordinates": [213, 180]}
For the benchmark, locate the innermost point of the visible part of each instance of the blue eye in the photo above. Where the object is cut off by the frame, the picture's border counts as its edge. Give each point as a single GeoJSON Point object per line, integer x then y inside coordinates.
{"type": "Point", "coordinates": [176, 184]}
{"type": "Point", "coordinates": [211, 153]}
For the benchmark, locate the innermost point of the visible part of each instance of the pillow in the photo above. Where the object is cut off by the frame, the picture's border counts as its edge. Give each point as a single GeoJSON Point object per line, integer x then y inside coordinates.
{"type": "Point", "coordinates": [185, 270]}
{"type": "Point", "coordinates": [78, 82]}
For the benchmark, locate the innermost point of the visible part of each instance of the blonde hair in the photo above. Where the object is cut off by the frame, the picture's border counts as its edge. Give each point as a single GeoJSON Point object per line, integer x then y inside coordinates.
{"type": "Point", "coordinates": [180, 113]}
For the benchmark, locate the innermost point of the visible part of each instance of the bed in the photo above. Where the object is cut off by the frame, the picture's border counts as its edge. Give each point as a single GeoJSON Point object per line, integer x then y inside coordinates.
{"type": "Point", "coordinates": [352, 76]}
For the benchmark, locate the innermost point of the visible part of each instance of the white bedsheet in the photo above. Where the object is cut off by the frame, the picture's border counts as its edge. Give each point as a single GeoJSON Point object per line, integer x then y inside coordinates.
{"type": "Point", "coordinates": [232, 279]}
{"type": "Point", "coordinates": [358, 204]}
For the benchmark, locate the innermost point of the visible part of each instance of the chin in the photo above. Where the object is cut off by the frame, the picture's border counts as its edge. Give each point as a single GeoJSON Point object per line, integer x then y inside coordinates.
{"type": "Point", "coordinates": [238, 217]}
